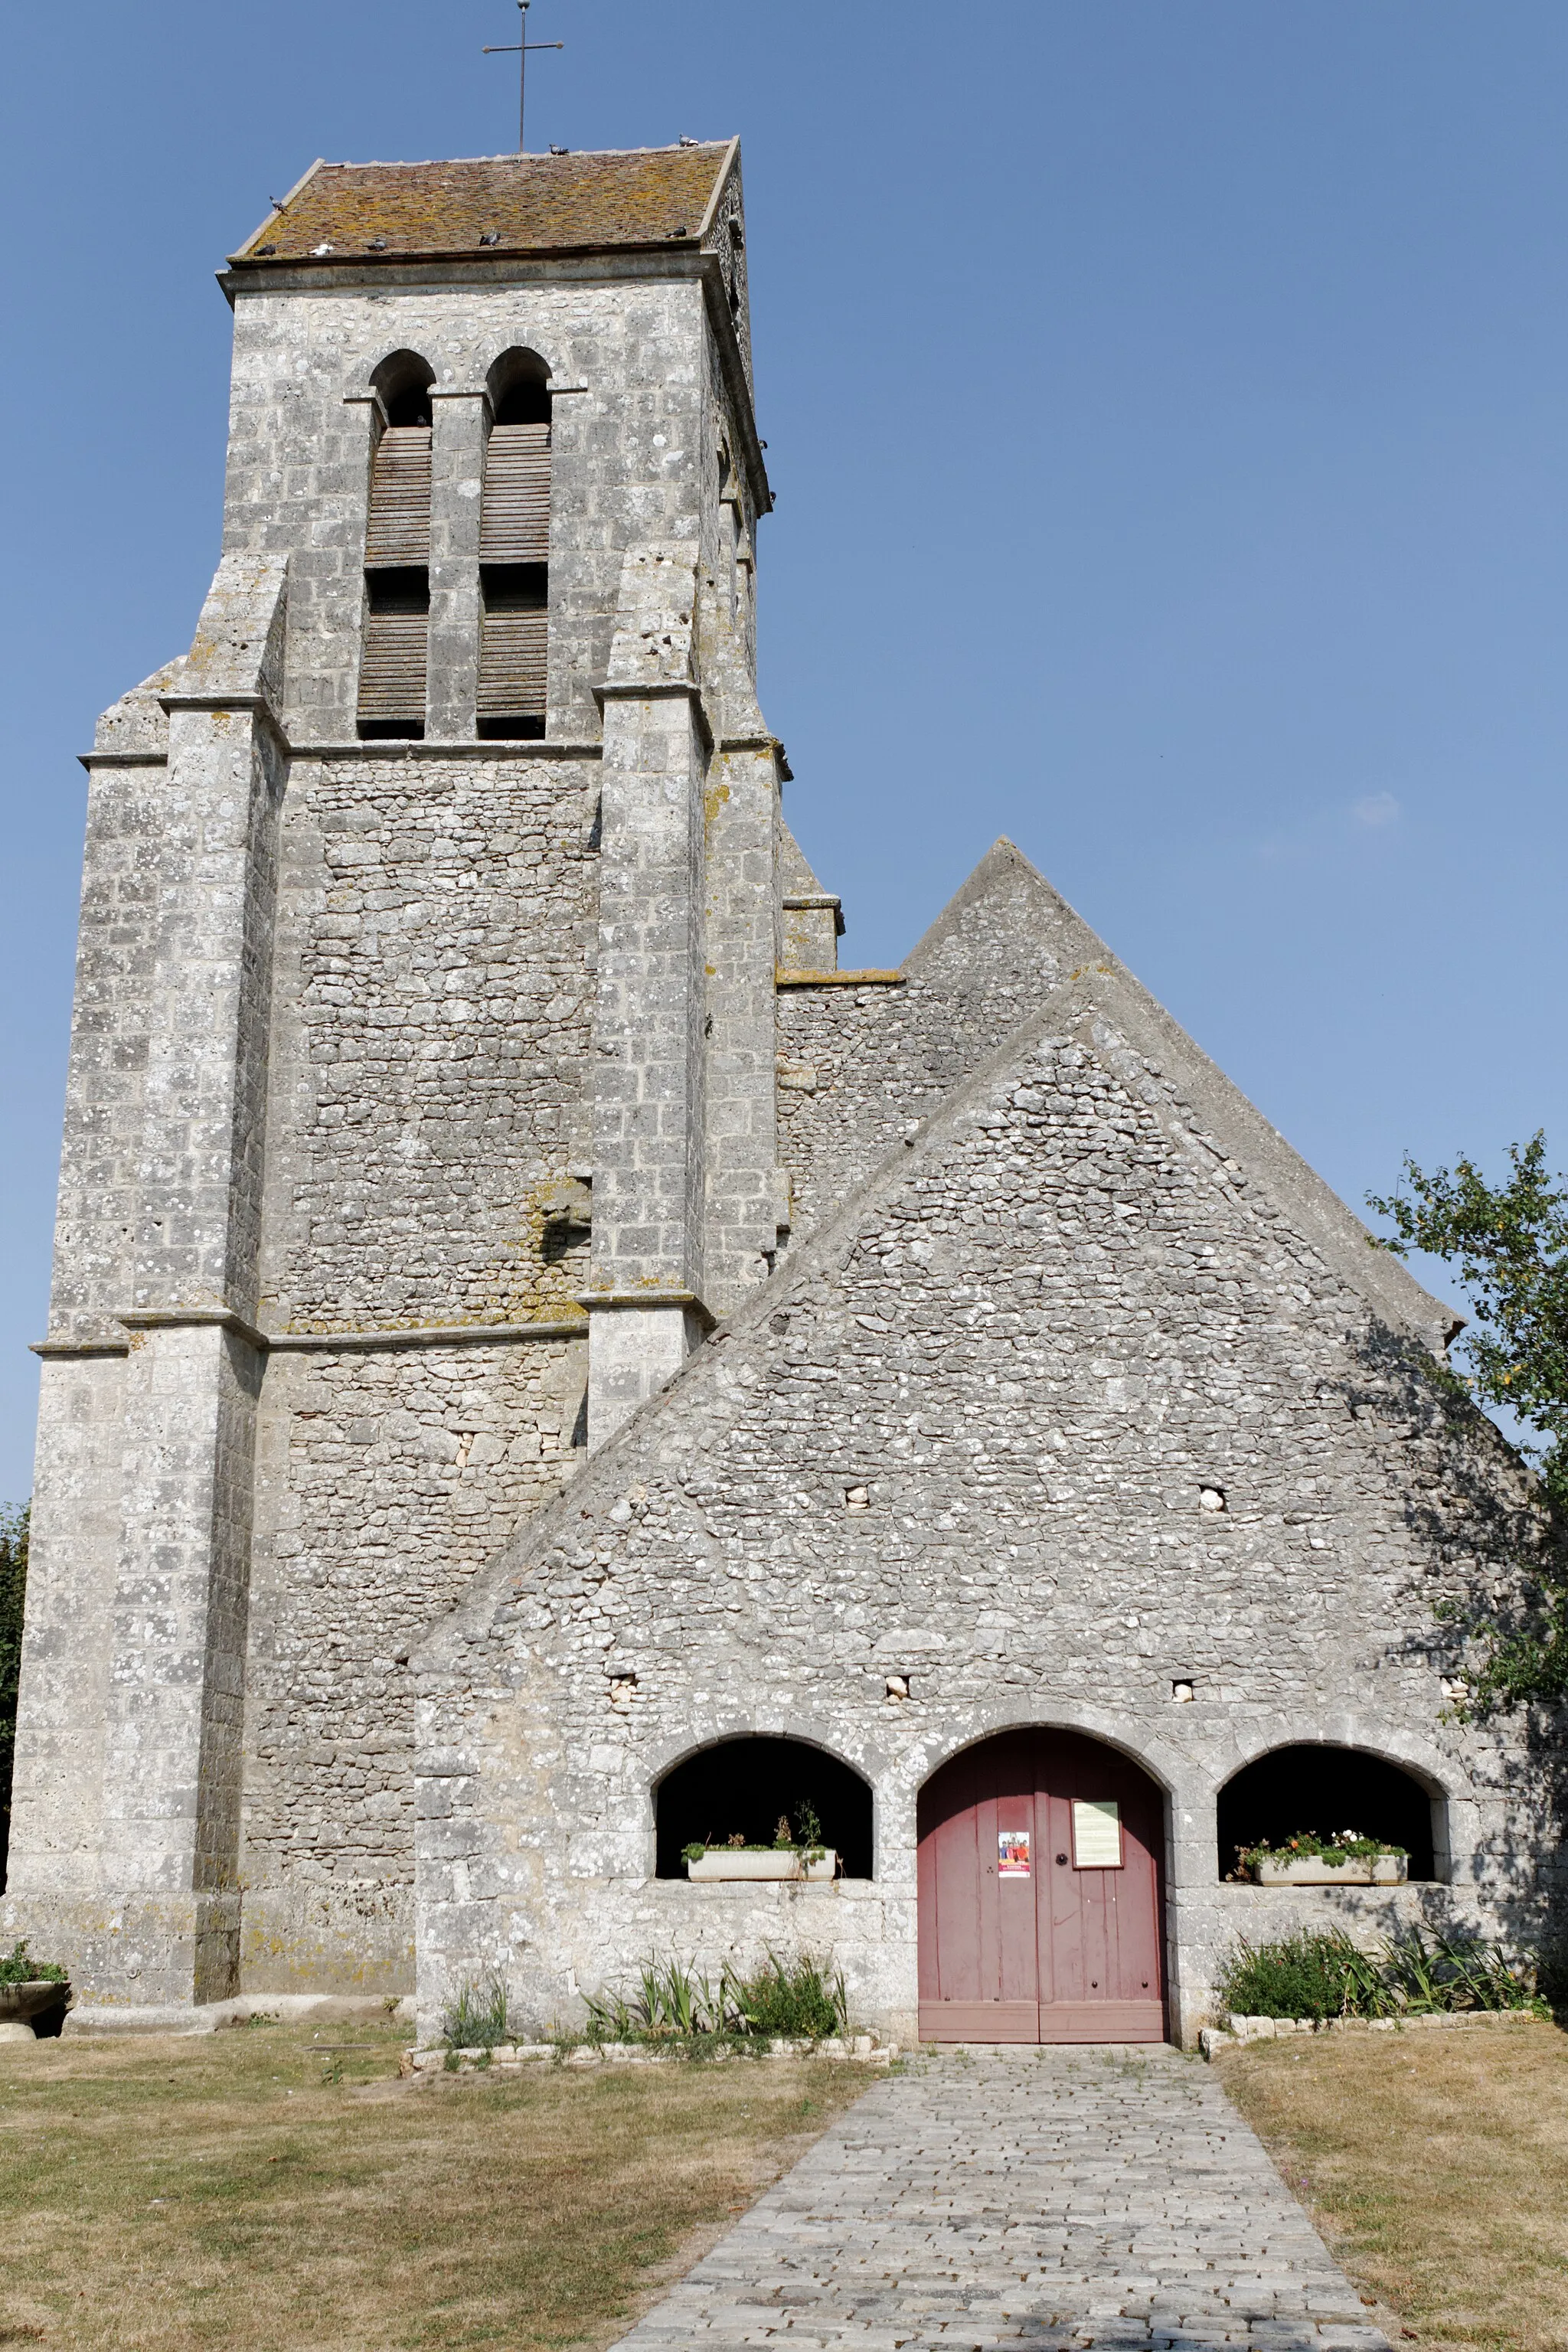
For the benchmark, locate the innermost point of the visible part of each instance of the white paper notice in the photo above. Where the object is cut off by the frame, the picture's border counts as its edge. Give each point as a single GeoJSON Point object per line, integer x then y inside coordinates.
{"type": "Point", "coordinates": [1012, 1853]}
{"type": "Point", "coordinates": [1096, 1834]}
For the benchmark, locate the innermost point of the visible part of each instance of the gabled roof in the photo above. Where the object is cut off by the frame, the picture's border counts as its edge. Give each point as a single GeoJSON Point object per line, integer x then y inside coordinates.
{"type": "Point", "coordinates": [1007, 925]}
{"type": "Point", "coordinates": [519, 204]}
{"type": "Point", "coordinates": [1209, 1124]}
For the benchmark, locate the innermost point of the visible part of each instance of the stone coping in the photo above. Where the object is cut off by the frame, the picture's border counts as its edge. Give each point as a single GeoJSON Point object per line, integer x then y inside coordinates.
{"type": "Point", "coordinates": [210, 2016]}
{"type": "Point", "coordinates": [1237, 2031]}
{"type": "Point", "coordinates": [512, 2057]}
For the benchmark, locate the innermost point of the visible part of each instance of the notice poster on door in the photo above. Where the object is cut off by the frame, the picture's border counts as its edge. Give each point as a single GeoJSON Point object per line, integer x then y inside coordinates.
{"type": "Point", "coordinates": [1012, 1853]}
{"type": "Point", "coordinates": [1096, 1833]}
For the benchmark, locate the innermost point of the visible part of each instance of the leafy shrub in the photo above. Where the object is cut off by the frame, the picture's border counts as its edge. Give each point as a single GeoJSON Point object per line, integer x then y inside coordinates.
{"type": "Point", "coordinates": [1318, 1973]}
{"type": "Point", "coordinates": [476, 2020]}
{"type": "Point", "coordinates": [1321, 1973]}
{"type": "Point", "coordinates": [21, 1969]}
{"type": "Point", "coordinates": [798, 1999]}
{"type": "Point", "coordinates": [671, 2000]}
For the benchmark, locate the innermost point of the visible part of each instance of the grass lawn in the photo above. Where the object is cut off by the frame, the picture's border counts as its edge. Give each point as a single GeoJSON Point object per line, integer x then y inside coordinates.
{"type": "Point", "coordinates": [1436, 2165]}
{"type": "Point", "coordinates": [252, 2189]}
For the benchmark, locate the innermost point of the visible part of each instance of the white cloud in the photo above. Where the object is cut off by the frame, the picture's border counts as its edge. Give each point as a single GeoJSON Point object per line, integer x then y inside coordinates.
{"type": "Point", "coordinates": [1378, 808]}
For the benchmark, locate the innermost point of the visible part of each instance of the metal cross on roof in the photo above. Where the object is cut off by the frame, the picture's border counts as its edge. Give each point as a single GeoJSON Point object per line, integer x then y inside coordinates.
{"type": "Point", "coordinates": [520, 50]}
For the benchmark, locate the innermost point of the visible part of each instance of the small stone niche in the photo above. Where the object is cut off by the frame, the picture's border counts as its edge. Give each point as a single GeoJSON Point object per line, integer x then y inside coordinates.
{"type": "Point", "coordinates": [898, 1689]}
{"type": "Point", "coordinates": [1211, 1498]}
{"type": "Point", "coordinates": [1182, 1690]}
{"type": "Point", "coordinates": [857, 1498]}
{"type": "Point", "coordinates": [623, 1690]}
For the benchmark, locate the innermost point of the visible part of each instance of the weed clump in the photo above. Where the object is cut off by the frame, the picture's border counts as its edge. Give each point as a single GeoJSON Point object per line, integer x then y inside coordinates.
{"type": "Point", "coordinates": [799, 1999]}
{"type": "Point", "coordinates": [476, 2020]}
{"type": "Point", "coordinates": [19, 1967]}
{"type": "Point", "coordinates": [1321, 1973]}
{"type": "Point", "coordinates": [802, 1999]}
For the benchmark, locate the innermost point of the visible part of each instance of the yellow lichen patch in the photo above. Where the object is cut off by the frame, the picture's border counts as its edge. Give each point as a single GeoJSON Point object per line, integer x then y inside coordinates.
{"type": "Point", "coordinates": [713, 799]}
{"type": "Point", "coordinates": [550, 1264]}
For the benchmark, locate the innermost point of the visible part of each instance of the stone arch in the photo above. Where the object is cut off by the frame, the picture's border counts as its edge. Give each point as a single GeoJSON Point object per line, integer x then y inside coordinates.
{"type": "Point", "coordinates": [706, 1730]}
{"type": "Point", "coordinates": [1162, 1763]}
{"type": "Point", "coordinates": [743, 1784]}
{"type": "Point", "coordinates": [1442, 1774]}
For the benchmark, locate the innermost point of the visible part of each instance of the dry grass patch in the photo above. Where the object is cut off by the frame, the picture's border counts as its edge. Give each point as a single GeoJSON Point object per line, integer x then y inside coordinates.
{"type": "Point", "coordinates": [255, 2190]}
{"type": "Point", "coordinates": [1437, 2165]}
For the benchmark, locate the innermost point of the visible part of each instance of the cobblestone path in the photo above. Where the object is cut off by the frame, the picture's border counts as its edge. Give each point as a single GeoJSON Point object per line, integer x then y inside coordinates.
{"type": "Point", "coordinates": [1023, 2197]}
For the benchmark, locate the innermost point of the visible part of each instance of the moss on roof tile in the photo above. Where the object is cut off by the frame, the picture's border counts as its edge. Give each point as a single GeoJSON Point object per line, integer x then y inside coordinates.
{"type": "Point", "coordinates": [495, 204]}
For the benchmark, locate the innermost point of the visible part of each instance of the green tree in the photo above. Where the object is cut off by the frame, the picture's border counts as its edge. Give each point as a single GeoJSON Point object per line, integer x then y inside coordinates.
{"type": "Point", "coordinates": [1509, 1245]}
{"type": "Point", "coordinates": [13, 1595]}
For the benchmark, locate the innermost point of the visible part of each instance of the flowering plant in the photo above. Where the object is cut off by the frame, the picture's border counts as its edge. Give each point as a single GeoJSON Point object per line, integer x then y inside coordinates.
{"type": "Point", "coordinates": [1308, 1846]}
{"type": "Point", "coordinates": [805, 1841]}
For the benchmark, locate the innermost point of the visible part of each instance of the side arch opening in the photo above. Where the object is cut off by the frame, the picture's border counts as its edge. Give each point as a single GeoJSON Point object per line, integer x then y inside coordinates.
{"type": "Point", "coordinates": [519, 386]}
{"type": "Point", "coordinates": [743, 1787]}
{"type": "Point", "coordinates": [1327, 1790]}
{"type": "Point", "coordinates": [404, 380]}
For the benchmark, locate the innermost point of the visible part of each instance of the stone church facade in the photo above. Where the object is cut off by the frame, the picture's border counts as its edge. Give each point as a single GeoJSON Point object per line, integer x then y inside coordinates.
{"type": "Point", "coordinates": [541, 1361]}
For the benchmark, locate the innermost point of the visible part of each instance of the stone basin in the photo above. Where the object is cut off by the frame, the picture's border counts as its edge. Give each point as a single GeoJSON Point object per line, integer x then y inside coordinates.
{"type": "Point", "coordinates": [731, 1862]}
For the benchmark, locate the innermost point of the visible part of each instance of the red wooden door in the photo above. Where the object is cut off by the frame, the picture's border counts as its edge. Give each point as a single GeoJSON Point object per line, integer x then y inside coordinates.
{"type": "Point", "coordinates": [1041, 1895]}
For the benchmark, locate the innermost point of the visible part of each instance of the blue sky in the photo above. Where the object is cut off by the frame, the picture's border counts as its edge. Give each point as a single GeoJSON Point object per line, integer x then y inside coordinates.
{"type": "Point", "coordinates": [1165, 400]}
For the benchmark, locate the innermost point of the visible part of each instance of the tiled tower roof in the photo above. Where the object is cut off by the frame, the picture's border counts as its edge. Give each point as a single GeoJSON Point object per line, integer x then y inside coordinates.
{"type": "Point", "coordinates": [499, 204]}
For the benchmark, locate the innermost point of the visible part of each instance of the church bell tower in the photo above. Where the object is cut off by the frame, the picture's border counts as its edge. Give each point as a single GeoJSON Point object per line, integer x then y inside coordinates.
{"type": "Point", "coordinates": [421, 1108]}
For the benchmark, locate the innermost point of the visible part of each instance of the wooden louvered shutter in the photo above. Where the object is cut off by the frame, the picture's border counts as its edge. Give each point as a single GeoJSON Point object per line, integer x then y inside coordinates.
{"type": "Point", "coordinates": [398, 584]}
{"type": "Point", "coordinates": [398, 530]}
{"type": "Point", "coordinates": [514, 526]}
{"type": "Point", "coordinates": [513, 654]}
{"type": "Point", "coordinates": [392, 669]}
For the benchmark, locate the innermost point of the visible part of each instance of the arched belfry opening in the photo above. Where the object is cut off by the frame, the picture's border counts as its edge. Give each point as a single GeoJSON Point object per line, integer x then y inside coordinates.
{"type": "Point", "coordinates": [1328, 1791]}
{"type": "Point", "coordinates": [745, 1787]}
{"type": "Point", "coordinates": [515, 551]}
{"type": "Point", "coordinates": [404, 380]}
{"type": "Point", "coordinates": [395, 645]}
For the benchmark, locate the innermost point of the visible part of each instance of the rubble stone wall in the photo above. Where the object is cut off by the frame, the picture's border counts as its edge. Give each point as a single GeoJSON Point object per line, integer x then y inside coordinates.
{"type": "Point", "coordinates": [962, 1440]}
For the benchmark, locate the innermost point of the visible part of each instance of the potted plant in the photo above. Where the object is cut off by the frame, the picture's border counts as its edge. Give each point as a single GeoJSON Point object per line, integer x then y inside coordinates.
{"type": "Point", "coordinates": [30, 1987]}
{"type": "Point", "coordinates": [790, 1856]}
{"type": "Point", "coordinates": [1345, 1859]}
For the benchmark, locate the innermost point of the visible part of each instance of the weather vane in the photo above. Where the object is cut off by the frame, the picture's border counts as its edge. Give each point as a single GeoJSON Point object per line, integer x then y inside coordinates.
{"type": "Point", "coordinates": [520, 50]}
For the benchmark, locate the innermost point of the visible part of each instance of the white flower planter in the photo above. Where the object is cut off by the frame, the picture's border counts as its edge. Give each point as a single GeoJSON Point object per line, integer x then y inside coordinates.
{"type": "Point", "coordinates": [1383, 1870]}
{"type": "Point", "coordinates": [729, 1862]}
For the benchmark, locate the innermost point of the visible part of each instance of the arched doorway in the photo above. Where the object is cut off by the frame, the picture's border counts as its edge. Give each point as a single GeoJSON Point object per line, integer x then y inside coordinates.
{"type": "Point", "coordinates": [1041, 1894]}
